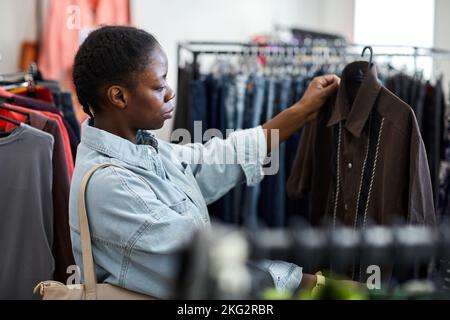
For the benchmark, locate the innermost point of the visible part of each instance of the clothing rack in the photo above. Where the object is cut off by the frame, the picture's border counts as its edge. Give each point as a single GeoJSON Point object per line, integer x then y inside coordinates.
{"type": "Point", "coordinates": [42, 115]}
{"type": "Point", "coordinates": [28, 78]}
{"type": "Point", "coordinates": [308, 47]}
{"type": "Point", "coordinates": [202, 99]}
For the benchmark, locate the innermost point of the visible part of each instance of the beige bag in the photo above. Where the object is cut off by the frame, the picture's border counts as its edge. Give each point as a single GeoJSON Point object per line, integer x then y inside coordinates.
{"type": "Point", "coordinates": [52, 290]}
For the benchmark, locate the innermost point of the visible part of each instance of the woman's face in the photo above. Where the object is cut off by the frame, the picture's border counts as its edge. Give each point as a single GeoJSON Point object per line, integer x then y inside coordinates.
{"type": "Point", "coordinates": [150, 103]}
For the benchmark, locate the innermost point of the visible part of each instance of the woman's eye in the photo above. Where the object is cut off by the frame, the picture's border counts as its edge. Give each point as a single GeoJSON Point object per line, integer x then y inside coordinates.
{"type": "Point", "coordinates": [160, 89]}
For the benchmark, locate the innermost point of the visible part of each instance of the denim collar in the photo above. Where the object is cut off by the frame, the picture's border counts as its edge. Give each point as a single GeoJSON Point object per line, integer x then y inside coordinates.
{"type": "Point", "coordinates": [141, 154]}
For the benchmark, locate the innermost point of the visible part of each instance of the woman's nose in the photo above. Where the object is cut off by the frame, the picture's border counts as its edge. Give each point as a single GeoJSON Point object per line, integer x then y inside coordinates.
{"type": "Point", "coordinates": [170, 94]}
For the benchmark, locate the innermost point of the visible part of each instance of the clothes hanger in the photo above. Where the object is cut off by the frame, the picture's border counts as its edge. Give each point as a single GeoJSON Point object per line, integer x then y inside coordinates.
{"type": "Point", "coordinates": [358, 74]}
{"type": "Point", "coordinates": [371, 54]}
{"type": "Point", "coordinates": [6, 133]}
{"type": "Point", "coordinates": [10, 120]}
{"type": "Point", "coordinates": [17, 124]}
{"type": "Point", "coordinates": [25, 80]}
{"type": "Point", "coordinates": [4, 107]}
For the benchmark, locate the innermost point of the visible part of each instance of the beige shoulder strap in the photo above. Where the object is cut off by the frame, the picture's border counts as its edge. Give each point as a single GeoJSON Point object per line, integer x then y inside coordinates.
{"type": "Point", "coordinates": [90, 279]}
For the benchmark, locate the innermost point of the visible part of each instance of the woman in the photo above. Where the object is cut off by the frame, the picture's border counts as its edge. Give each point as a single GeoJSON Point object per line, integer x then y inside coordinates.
{"type": "Point", "coordinates": [140, 215]}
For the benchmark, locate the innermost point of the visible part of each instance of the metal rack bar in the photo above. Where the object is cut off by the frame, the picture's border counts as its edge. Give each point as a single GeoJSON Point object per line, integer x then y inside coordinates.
{"type": "Point", "coordinates": [416, 51]}
{"type": "Point", "coordinates": [338, 48]}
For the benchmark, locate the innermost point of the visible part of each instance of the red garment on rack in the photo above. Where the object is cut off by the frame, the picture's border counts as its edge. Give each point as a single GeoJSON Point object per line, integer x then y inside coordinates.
{"type": "Point", "coordinates": [21, 118]}
{"type": "Point", "coordinates": [7, 126]}
{"type": "Point", "coordinates": [39, 93]}
{"type": "Point", "coordinates": [39, 105]}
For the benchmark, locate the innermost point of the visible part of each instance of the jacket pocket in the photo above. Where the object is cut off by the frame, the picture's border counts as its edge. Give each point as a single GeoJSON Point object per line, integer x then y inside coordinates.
{"type": "Point", "coordinates": [181, 207]}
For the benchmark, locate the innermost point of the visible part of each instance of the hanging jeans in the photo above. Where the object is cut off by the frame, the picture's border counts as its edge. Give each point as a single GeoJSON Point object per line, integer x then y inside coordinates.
{"type": "Point", "coordinates": [241, 94]}
{"type": "Point", "coordinates": [272, 208]}
{"type": "Point", "coordinates": [199, 102]}
{"type": "Point", "coordinates": [213, 88]}
{"type": "Point", "coordinates": [69, 113]}
{"type": "Point", "coordinates": [279, 218]}
{"type": "Point", "coordinates": [296, 207]}
{"type": "Point", "coordinates": [241, 90]}
{"type": "Point", "coordinates": [224, 209]}
{"type": "Point", "coordinates": [229, 97]}
{"type": "Point", "coordinates": [254, 110]}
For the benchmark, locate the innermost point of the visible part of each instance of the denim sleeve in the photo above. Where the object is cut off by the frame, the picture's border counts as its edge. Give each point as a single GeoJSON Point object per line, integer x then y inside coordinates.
{"type": "Point", "coordinates": [286, 276]}
{"type": "Point", "coordinates": [221, 164]}
{"type": "Point", "coordinates": [135, 235]}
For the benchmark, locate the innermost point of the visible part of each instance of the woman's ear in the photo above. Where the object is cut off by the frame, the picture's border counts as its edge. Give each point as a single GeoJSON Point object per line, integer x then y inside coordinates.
{"type": "Point", "coordinates": [117, 96]}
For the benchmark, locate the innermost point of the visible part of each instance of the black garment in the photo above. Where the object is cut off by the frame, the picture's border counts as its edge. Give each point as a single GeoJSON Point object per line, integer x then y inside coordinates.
{"type": "Point", "coordinates": [69, 113]}
{"type": "Point", "coordinates": [213, 94]}
{"type": "Point", "coordinates": [433, 133]}
{"type": "Point", "coordinates": [183, 115]}
{"type": "Point", "coordinates": [420, 103]}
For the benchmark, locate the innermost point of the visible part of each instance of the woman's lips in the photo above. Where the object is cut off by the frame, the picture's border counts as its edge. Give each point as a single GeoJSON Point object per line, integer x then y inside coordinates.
{"type": "Point", "coordinates": [169, 114]}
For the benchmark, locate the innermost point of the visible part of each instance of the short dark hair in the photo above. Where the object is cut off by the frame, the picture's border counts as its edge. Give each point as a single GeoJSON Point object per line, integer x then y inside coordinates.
{"type": "Point", "coordinates": [110, 55]}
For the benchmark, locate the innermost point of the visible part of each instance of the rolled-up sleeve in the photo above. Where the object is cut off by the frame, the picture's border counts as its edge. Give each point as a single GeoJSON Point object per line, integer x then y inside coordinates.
{"type": "Point", "coordinates": [221, 164]}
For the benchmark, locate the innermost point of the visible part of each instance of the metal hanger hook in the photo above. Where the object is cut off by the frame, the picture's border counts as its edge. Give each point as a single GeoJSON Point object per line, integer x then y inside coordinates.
{"type": "Point", "coordinates": [371, 53]}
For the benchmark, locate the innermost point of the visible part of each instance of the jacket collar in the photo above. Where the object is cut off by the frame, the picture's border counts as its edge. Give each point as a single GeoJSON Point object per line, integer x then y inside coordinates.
{"type": "Point", "coordinates": [356, 115]}
{"type": "Point", "coordinates": [140, 154]}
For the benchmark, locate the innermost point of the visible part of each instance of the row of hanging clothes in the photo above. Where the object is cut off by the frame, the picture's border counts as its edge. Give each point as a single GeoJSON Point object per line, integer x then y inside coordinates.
{"type": "Point", "coordinates": [39, 135]}
{"type": "Point", "coordinates": [248, 85]}
{"type": "Point", "coordinates": [428, 101]}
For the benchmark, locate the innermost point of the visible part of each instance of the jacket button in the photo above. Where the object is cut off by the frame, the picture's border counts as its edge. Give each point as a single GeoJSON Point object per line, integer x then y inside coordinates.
{"type": "Point", "coordinates": [350, 165]}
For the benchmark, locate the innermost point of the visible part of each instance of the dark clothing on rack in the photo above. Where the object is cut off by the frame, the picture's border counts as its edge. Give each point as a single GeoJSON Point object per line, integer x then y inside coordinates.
{"type": "Point", "coordinates": [68, 111]}
{"type": "Point", "coordinates": [183, 115]}
{"type": "Point", "coordinates": [444, 189]}
{"type": "Point", "coordinates": [235, 101]}
{"type": "Point", "coordinates": [214, 90]}
{"type": "Point", "coordinates": [428, 103]}
{"type": "Point", "coordinates": [63, 101]}
{"type": "Point", "coordinates": [396, 187]}
{"type": "Point", "coordinates": [273, 208]}
{"type": "Point", "coordinates": [35, 236]}
{"type": "Point", "coordinates": [433, 133]}
{"type": "Point", "coordinates": [420, 103]}
{"type": "Point", "coordinates": [252, 118]}
{"type": "Point", "coordinates": [199, 103]}
{"type": "Point", "coordinates": [62, 246]}
{"type": "Point", "coordinates": [224, 100]}
{"type": "Point", "coordinates": [26, 212]}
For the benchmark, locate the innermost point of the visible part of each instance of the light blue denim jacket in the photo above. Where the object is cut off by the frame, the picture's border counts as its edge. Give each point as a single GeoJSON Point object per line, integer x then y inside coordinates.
{"type": "Point", "coordinates": [140, 216]}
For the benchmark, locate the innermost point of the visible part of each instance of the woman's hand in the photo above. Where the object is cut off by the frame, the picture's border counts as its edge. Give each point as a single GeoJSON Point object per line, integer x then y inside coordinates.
{"type": "Point", "coordinates": [319, 90]}
{"type": "Point", "coordinates": [305, 110]}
